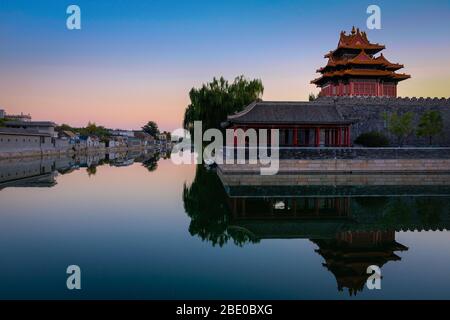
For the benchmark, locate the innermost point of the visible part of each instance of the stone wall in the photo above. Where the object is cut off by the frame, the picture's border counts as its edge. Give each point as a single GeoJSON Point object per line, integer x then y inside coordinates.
{"type": "Point", "coordinates": [347, 166]}
{"type": "Point", "coordinates": [17, 143]}
{"type": "Point", "coordinates": [368, 114]}
{"type": "Point", "coordinates": [324, 153]}
{"type": "Point", "coordinates": [364, 153]}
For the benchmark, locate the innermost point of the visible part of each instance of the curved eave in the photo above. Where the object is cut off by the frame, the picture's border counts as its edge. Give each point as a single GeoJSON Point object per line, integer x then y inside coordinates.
{"type": "Point", "coordinates": [372, 49]}
{"type": "Point", "coordinates": [401, 77]}
{"type": "Point", "coordinates": [340, 74]}
{"type": "Point", "coordinates": [390, 67]}
{"type": "Point", "coordinates": [271, 123]}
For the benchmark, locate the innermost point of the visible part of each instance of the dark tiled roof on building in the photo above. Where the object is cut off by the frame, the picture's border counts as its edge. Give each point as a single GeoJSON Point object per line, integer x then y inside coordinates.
{"type": "Point", "coordinates": [30, 124]}
{"type": "Point", "coordinates": [270, 112]}
{"type": "Point", "coordinates": [23, 132]}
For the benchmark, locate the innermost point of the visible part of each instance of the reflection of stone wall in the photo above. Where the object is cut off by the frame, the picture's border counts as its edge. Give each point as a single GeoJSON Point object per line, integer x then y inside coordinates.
{"type": "Point", "coordinates": [335, 180]}
{"type": "Point", "coordinates": [26, 168]}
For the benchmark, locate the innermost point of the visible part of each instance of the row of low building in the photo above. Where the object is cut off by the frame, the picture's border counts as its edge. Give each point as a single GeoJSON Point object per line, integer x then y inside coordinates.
{"type": "Point", "coordinates": [21, 136]}
{"type": "Point", "coordinates": [116, 139]}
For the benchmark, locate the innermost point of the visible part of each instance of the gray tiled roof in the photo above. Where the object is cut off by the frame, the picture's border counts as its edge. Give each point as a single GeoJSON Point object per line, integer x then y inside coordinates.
{"type": "Point", "coordinates": [30, 123]}
{"type": "Point", "coordinates": [23, 132]}
{"type": "Point", "coordinates": [289, 113]}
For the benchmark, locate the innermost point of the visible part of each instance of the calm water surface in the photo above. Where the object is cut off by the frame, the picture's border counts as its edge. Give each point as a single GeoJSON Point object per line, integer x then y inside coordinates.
{"type": "Point", "coordinates": [141, 227]}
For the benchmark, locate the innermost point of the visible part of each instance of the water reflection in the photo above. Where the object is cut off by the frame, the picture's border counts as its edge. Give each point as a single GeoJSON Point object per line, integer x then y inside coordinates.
{"type": "Point", "coordinates": [42, 172]}
{"type": "Point", "coordinates": [353, 220]}
{"type": "Point", "coordinates": [353, 225]}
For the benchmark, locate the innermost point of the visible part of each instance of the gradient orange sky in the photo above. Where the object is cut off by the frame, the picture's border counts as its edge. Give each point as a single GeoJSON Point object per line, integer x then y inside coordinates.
{"type": "Point", "coordinates": [134, 62]}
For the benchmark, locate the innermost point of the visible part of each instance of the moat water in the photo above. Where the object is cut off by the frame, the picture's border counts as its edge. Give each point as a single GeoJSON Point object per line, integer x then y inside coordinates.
{"type": "Point", "coordinates": [141, 227]}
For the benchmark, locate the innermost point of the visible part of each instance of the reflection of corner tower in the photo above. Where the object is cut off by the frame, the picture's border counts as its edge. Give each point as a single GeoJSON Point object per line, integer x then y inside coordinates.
{"type": "Point", "coordinates": [353, 70]}
{"type": "Point", "coordinates": [349, 255]}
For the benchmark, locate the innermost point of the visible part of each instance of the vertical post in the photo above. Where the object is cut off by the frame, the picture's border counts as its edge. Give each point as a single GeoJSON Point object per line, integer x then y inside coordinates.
{"type": "Point", "coordinates": [344, 138]}
{"type": "Point", "coordinates": [339, 137]}
{"type": "Point", "coordinates": [349, 137]}
{"type": "Point", "coordinates": [317, 137]}
{"type": "Point", "coordinates": [295, 136]}
{"type": "Point", "coordinates": [347, 144]}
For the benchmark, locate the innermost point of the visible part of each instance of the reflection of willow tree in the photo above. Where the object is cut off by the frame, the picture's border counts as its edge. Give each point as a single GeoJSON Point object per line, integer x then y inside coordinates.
{"type": "Point", "coordinates": [91, 170]}
{"type": "Point", "coordinates": [152, 163]}
{"type": "Point", "coordinates": [205, 202]}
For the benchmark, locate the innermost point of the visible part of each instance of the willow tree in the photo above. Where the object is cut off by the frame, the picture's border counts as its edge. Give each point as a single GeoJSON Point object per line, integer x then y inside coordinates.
{"type": "Point", "coordinates": [214, 101]}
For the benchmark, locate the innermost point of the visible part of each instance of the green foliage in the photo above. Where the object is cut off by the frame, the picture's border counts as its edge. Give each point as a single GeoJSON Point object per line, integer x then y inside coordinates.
{"type": "Point", "coordinates": [152, 163]}
{"type": "Point", "coordinates": [93, 130]}
{"type": "Point", "coordinates": [214, 101]}
{"type": "Point", "coordinates": [372, 139]}
{"type": "Point", "coordinates": [64, 127]}
{"type": "Point", "coordinates": [151, 128]}
{"type": "Point", "coordinates": [400, 125]}
{"type": "Point", "coordinates": [430, 125]}
{"type": "Point", "coordinates": [92, 170]}
{"type": "Point", "coordinates": [2, 123]}
{"type": "Point", "coordinates": [312, 97]}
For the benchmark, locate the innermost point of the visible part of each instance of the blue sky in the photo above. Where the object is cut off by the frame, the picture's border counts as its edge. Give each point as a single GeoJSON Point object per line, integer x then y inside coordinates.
{"type": "Point", "coordinates": [145, 55]}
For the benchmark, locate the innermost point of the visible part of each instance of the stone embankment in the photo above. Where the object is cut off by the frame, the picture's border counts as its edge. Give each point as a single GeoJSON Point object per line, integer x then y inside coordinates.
{"type": "Point", "coordinates": [353, 160]}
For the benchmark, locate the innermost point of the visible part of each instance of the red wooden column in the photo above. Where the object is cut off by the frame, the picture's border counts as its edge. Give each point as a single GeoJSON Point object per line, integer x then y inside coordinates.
{"type": "Point", "coordinates": [339, 137]}
{"type": "Point", "coordinates": [317, 137]}
{"type": "Point", "coordinates": [349, 140]}
{"type": "Point", "coordinates": [295, 136]}
{"type": "Point", "coordinates": [344, 142]}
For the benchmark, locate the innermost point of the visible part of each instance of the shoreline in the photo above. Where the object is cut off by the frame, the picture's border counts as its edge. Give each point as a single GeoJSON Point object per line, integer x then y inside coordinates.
{"type": "Point", "coordinates": [68, 152]}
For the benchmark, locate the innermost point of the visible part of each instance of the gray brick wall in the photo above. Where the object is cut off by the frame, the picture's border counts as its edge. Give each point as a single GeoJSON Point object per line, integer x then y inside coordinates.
{"type": "Point", "coordinates": [368, 114]}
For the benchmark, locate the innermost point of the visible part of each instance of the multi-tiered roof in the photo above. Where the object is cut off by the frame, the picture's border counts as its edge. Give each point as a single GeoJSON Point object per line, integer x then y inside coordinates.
{"type": "Point", "coordinates": [354, 58]}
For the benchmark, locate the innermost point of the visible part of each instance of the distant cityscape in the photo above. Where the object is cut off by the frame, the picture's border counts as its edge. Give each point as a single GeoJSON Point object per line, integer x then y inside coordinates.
{"type": "Point", "coordinates": [20, 136]}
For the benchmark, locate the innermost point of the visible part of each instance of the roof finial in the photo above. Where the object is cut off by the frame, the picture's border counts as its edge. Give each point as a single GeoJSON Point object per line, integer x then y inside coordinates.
{"type": "Point", "coordinates": [353, 30]}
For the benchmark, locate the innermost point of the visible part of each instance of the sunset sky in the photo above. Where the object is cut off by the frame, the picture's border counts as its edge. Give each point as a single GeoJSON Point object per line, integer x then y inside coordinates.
{"type": "Point", "coordinates": [135, 61]}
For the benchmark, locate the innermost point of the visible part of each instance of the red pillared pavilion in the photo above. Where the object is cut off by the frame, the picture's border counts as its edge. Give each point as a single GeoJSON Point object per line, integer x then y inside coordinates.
{"type": "Point", "coordinates": [354, 70]}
